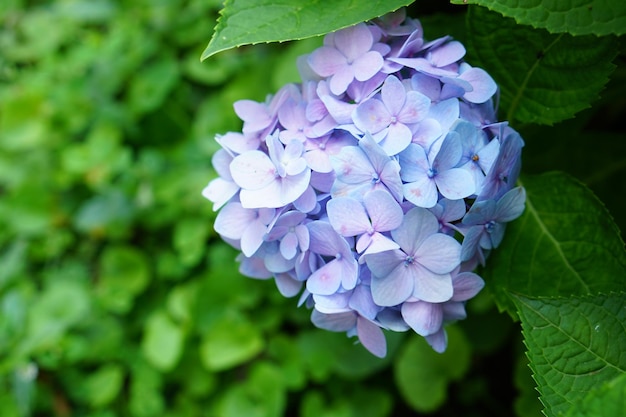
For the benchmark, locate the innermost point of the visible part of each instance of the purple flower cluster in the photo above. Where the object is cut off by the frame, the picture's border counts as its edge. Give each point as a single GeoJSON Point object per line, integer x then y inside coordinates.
{"type": "Point", "coordinates": [376, 186]}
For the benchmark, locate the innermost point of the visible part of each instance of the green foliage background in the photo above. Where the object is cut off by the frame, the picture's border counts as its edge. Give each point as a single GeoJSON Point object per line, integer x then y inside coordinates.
{"type": "Point", "coordinates": [118, 299]}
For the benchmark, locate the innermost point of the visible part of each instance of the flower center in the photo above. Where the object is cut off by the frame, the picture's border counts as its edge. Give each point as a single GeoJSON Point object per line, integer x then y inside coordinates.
{"type": "Point", "coordinates": [475, 158]}
{"type": "Point", "coordinates": [375, 178]}
{"type": "Point", "coordinates": [408, 260]}
{"type": "Point", "coordinates": [431, 172]}
{"type": "Point", "coordinates": [490, 226]}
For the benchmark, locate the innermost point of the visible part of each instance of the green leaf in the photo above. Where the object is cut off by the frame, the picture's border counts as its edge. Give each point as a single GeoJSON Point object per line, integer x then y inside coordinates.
{"type": "Point", "coordinates": [574, 345]}
{"type": "Point", "coordinates": [284, 20]}
{"type": "Point", "coordinates": [124, 273]}
{"type": "Point", "coordinates": [262, 395]}
{"type": "Point", "coordinates": [231, 341]}
{"type": "Point", "coordinates": [608, 400]}
{"type": "Point", "coordinates": [543, 78]}
{"type": "Point", "coordinates": [51, 314]}
{"type": "Point", "coordinates": [103, 386]}
{"type": "Point", "coordinates": [565, 243]}
{"type": "Point", "coordinates": [578, 17]}
{"type": "Point", "coordinates": [190, 236]}
{"type": "Point", "coordinates": [162, 342]}
{"type": "Point", "coordinates": [422, 375]}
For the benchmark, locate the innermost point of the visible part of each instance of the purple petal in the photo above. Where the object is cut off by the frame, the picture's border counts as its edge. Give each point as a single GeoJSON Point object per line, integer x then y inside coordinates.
{"type": "Point", "coordinates": [278, 193]}
{"type": "Point", "coordinates": [352, 166]}
{"type": "Point", "coordinates": [418, 224]}
{"type": "Point", "coordinates": [326, 280]}
{"type": "Point", "coordinates": [219, 191]}
{"type": "Point", "coordinates": [393, 95]}
{"type": "Point", "coordinates": [427, 85]}
{"type": "Point", "coordinates": [347, 216]}
{"type": "Point", "coordinates": [353, 41]}
{"type": "Point", "coordinates": [367, 65]}
{"type": "Point", "coordinates": [438, 341]}
{"type": "Point", "coordinates": [289, 246]}
{"type": "Point", "coordinates": [390, 177]}
{"type": "Point", "coordinates": [340, 81]}
{"type": "Point", "coordinates": [252, 238]}
{"type": "Point", "coordinates": [371, 337]}
{"type": "Point", "coordinates": [371, 116]}
{"type": "Point", "coordinates": [326, 61]}
{"type": "Point", "coordinates": [422, 193]}
{"type": "Point", "coordinates": [339, 322]}
{"type": "Point", "coordinates": [447, 54]}
{"type": "Point", "coordinates": [415, 108]}
{"type": "Point", "coordinates": [422, 65]}
{"type": "Point", "coordinates": [254, 268]}
{"type": "Point", "coordinates": [384, 211]}
{"type": "Point", "coordinates": [376, 155]}
{"type": "Point", "coordinates": [324, 240]}
{"type": "Point", "coordinates": [466, 286]}
{"type": "Point", "coordinates": [483, 86]}
{"type": "Point", "coordinates": [425, 318]}
{"type": "Point", "coordinates": [382, 264]}
{"type": "Point", "coordinates": [397, 139]}
{"type": "Point", "coordinates": [446, 112]}
{"type": "Point", "coordinates": [454, 310]}
{"type": "Point", "coordinates": [287, 285]}
{"type": "Point", "coordinates": [469, 247]}
{"type": "Point", "coordinates": [455, 183]}
{"type": "Point", "coordinates": [431, 287]}
{"type": "Point", "coordinates": [255, 115]}
{"type": "Point", "coordinates": [221, 163]}
{"type": "Point", "coordinates": [233, 219]}
{"type": "Point", "coordinates": [333, 303]}
{"type": "Point", "coordinates": [414, 163]}
{"type": "Point", "coordinates": [338, 109]}
{"type": "Point", "coordinates": [361, 301]}
{"type": "Point", "coordinates": [481, 212]}
{"type": "Point", "coordinates": [488, 154]}
{"type": "Point", "coordinates": [377, 243]}
{"type": "Point", "coordinates": [511, 205]}
{"type": "Point", "coordinates": [252, 170]}
{"type": "Point", "coordinates": [439, 253]}
{"type": "Point", "coordinates": [394, 288]}
{"type": "Point", "coordinates": [450, 152]}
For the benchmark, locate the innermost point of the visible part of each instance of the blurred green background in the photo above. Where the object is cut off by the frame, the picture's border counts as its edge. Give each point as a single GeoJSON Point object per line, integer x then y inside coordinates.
{"type": "Point", "coordinates": [116, 296]}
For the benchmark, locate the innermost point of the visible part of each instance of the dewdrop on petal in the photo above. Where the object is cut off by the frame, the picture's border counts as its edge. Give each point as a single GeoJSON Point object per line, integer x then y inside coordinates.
{"type": "Point", "coordinates": [374, 187]}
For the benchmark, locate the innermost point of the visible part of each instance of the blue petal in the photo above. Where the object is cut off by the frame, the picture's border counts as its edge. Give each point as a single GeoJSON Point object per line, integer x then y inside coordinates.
{"type": "Point", "coordinates": [347, 216]}
{"type": "Point", "coordinates": [425, 318]}
{"type": "Point", "coordinates": [394, 288]}
{"type": "Point", "coordinates": [511, 205]}
{"type": "Point", "coordinates": [326, 280]}
{"type": "Point", "coordinates": [339, 322]}
{"type": "Point", "coordinates": [371, 337]}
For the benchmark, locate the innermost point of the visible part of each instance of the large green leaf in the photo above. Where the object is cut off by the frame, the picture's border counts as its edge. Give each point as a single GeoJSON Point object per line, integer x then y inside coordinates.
{"type": "Point", "coordinates": [565, 243]}
{"type": "Point", "coordinates": [543, 78]}
{"type": "Point", "coordinates": [284, 20]}
{"type": "Point", "coordinates": [609, 400]}
{"type": "Point", "coordinates": [574, 345]}
{"type": "Point", "coordinates": [578, 17]}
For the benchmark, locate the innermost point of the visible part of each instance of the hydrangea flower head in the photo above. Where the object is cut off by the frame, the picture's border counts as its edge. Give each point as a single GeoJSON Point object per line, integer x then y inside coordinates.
{"type": "Point", "coordinates": [375, 186]}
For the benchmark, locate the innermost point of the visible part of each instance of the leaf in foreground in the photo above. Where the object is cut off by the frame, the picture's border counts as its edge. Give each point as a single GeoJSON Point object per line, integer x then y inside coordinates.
{"type": "Point", "coordinates": [574, 345]}
{"type": "Point", "coordinates": [245, 22]}
{"type": "Point", "coordinates": [578, 17]}
{"type": "Point", "coordinates": [565, 243]}
{"type": "Point", "coordinates": [544, 78]}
